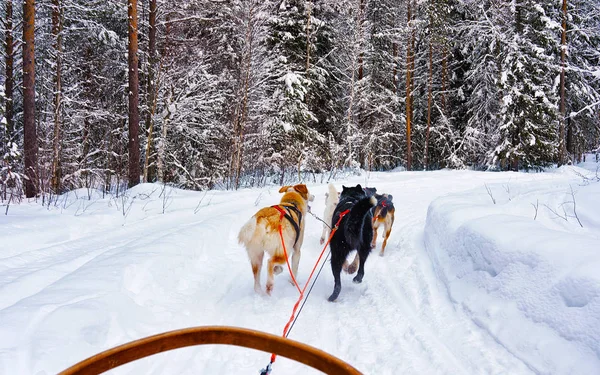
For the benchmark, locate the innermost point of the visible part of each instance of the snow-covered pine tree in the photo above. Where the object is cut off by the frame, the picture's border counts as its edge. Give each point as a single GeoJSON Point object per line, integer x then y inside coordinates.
{"type": "Point", "coordinates": [477, 100]}
{"type": "Point", "coordinates": [297, 42]}
{"type": "Point", "coordinates": [582, 81]}
{"type": "Point", "coordinates": [95, 96]}
{"type": "Point", "coordinates": [528, 134]}
{"type": "Point", "coordinates": [378, 109]}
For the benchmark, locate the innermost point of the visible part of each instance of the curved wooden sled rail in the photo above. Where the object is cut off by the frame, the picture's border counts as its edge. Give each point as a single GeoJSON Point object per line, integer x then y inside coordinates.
{"type": "Point", "coordinates": [248, 338]}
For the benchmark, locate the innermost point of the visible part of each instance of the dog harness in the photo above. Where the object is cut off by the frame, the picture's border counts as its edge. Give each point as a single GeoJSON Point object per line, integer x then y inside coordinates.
{"type": "Point", "coordinates": [287, 214]}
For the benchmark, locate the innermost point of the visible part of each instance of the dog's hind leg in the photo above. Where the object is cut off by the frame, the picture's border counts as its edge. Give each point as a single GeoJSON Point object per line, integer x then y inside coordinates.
{"type": "Point", "coordinates": [295, 262]}
{"type": "Point", "coordinates": [256, 261]}
{"type": "Point", "coordinates": [324, 234]}
{"type": "Point", "coordinates": [387, 234]}
{"type": "Point", "coordinates": [375, 227]}
{"type": "Point", "coordinates": [336, 268]}
{"type": "Point", "coordinates": [388, 230]}
{"type": "Point", "coordinates": [272, 264]}
{"type": "Point", "coordinates": [362, 255]}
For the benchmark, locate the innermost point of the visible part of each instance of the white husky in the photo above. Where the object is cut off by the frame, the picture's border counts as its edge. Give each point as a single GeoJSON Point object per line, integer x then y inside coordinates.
{"type": "Point", "coordinates": [331, 200]}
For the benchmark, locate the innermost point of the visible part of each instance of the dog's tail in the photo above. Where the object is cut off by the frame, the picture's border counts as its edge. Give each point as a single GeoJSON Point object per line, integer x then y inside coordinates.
{"type": "Point", "coordinates": [358, 212]}
{"type": "Point", "coordinates": [247, 231]}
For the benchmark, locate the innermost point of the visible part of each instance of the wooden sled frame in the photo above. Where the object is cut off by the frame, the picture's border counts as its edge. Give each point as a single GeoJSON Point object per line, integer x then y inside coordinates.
{"type": "Point", "coordinates": [248, 338]}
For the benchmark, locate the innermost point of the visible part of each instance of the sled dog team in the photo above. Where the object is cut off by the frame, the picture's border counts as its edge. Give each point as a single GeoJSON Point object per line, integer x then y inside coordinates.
{"type": "Point", "coordinates": [362, 212]}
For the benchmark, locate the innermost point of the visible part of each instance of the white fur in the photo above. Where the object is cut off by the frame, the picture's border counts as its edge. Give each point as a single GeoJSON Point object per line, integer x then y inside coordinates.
{"type": "Point", "coordinates": [331, 201]}
{"type": "Point", "coordinates": [258, 239]}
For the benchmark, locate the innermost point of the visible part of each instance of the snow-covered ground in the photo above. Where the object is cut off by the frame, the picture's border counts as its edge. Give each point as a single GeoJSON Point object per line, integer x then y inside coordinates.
{"type": "Point", "coordinates": [467, 286]}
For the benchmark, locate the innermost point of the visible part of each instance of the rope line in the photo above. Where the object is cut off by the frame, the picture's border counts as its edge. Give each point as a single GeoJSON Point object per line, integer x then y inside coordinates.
{"type": "Point", "coordinates": [308, 294]}
{"type": "Point", "coordinates": [294, 316]}
{"type": "Point", "coordinates": [321, 220]}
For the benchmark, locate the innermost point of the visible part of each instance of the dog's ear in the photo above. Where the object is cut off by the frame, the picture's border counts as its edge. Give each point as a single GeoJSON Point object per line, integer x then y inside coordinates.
{"type": "Point", "coordinates": [284, 189]}
{"type": "Point", "coordinates": [302, 189]}
{"type": "Point", "coordinates": [359, 187]}
{"type": "Point", "coordinates": [389, 196]}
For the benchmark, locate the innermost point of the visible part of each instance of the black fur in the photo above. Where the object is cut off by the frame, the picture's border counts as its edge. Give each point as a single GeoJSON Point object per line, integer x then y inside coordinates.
{"type": "Point", "coordinates": [354, 233]}
{"type": "Point", "coordinates": [384, 201]}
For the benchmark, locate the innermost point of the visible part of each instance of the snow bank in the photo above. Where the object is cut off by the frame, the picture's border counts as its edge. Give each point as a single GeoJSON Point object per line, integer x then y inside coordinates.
{"type": "Point", "coordinates": [533, 284]}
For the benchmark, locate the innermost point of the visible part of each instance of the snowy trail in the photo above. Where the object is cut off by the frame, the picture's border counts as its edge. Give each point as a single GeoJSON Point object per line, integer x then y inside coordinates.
{"type": "Point", "coordinates": [67, 299]}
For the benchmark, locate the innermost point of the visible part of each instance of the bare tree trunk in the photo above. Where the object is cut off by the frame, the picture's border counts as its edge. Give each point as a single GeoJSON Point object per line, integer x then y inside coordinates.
{"type": "Point", "coordinates": [149, 172]}
{"type": "Point", "coordinates": [395, 68]}
{"type": "Point", "coordinates": [444, 77]}
{"type": "Point", "coordinates": [308, 20]}
{"type": "Point", "coordinates": [562, 151]}
{"type": "Point", "coordinates": [9, 66]}
{"type": "Point", "coordinates": [361, 31]}
{"type": "Point", "coordinates": [162, 144]}
{"type": "Point", "coordinates": [358, 60]}
{"type": "Point", "coordinates": [57, 27]}
{"type": "Point", "coordinates": [134, 114]}
{"type": "Point", "coordinates": [409, 79]}
{"type": "Point", "coordinates": [429, 103]}
{"type": "Point", "coordinates": [242, 114]}
{"type": "Point", "coordinates": [29, 127]}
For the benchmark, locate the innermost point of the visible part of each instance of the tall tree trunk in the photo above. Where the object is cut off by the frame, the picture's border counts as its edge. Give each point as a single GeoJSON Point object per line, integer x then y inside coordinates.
{"type": "Point", "coordinates": [308, 20]}
{"type": "Point", "coordinates": [162, 144]}
{"type": "Point", "coordinates": [243, 112]}
{"type": "Point", "coordinates": [152, 85]}
{"type": "Point", "coordinates": [361, 33]}
{"type": "Point", "coordinates": [133, 144]}
{"type": "Point", "coordinates": [519, 25]}
{"type": "Point", "coordinates": [56, 147]}
{"type": "Point", "coordinates": [9, 66]}
{"type": "Point", "coordinates": [29, 129]}
{"type": "Point", "coordinates": [356, 60]}
{"type": "Point", "coordinates": [395, 68]}
{"type": "Point", "coordinates": [409, 79]}
{"type": "Point", "coordinates": [444, 77]}
{"type": "Point", "coordinates": [88, 94]}
{"type": "Point", "coordinates": [429, 103]}
{"type": "Point", "coordinates": [562, 151]}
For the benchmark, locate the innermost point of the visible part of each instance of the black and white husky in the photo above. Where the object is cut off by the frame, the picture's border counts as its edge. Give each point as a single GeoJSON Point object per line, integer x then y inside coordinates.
{"type": "Point", "coordinates": [355, 232]}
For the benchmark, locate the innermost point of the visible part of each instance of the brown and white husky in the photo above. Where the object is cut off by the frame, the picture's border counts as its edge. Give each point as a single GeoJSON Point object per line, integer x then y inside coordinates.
{"type": "Point", "coordinates": [260, 234]}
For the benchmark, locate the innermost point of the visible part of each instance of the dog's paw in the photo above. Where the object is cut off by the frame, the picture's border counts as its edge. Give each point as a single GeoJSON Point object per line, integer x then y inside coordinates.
{"type": "Point", "coordinates": [381, 253]}
{"type": "Point", "coordinates": [322, 241]}
{"type": "Point", "coordinates": [277, 269]}
{"type": "Point", "coordinates": [269, 289]}
{"type": "Point", "coordinates": [357, 279]}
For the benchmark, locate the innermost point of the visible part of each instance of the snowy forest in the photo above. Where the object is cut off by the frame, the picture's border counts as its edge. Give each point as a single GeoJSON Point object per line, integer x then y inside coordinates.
{"type": "Point", "coordinates": [239, 93]}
